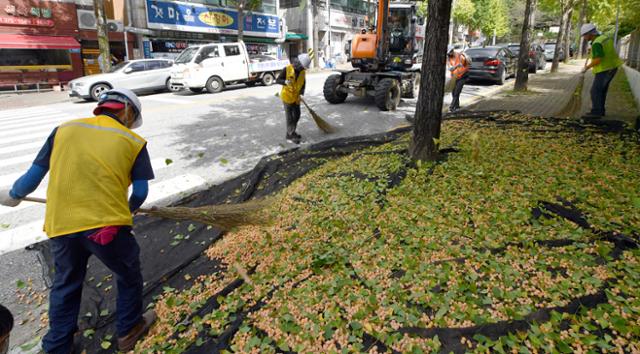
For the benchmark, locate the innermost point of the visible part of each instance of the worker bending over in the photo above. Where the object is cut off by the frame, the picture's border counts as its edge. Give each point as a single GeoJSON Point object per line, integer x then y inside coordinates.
{"type": "Point", "coordinates": [91, 163]}
{"type": "Point", "coordinates": [604, 64]}
{"type": "Point", "coordinates": [293, 79]}
{"type": "Point", "coordinates": [459, 68]}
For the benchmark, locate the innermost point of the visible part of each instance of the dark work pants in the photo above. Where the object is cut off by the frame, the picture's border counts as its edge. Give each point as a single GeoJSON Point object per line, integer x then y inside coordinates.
{"type": "Point", "coordinates": [599, 91]}
{"type": "Point", "coordinates": [292, 113]}
{"type": "Point", "coordinates": [457, 90]}
{"type": "Point", "coordinates": [71, 253]}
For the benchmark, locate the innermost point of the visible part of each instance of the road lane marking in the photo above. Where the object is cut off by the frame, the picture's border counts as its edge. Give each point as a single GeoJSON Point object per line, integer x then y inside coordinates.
{"type": "Point", "coordinates": [54, 120]}
{"type": "Point", "coordinates": [20, 147]}
{"type": "Point", "coordinates": [39, 135]}
{"type": "Point", "coordinates": [9, 132]}
{"type": "Point", "coordinates": [17, 160]}
{"type": "Point", "coordinates": [167, 100]}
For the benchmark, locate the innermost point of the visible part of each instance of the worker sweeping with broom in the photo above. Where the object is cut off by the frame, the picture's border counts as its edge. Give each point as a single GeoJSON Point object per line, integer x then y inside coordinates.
{"type": "Point", "coordinates": [91, 163]}
{"type": "Point", "coordinates": [604, 64]}
{"type": "Point", "coordinates": [293, 80]}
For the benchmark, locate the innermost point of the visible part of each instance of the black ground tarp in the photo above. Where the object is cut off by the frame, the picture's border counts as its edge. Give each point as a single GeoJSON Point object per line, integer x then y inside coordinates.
{"type": "Point", "coordinates": [168, 260]}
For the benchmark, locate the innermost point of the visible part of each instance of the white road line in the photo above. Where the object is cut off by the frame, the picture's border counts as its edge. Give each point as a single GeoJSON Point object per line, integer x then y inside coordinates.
{"type": "Point", "coordinates": [52, 120]}
{"type": "Point", "coordinates": [30, 233]}
{"type": "Point", "coordinates": [31, 137]}
{"type": "Point", "coordinates": [21, 236]}
{"type": "Point", "coordinates": [167, 100]}
{"type": "Point", "coordinates": [29, 115]}
{"type": "Point", "coordinates": [17, 160]}
{"type": "Point", "coordinates": [9, 132]}
{"type": "Point", "coordinates": [21, 147]}
{"type": "Point", "coordinates": [8, 180]}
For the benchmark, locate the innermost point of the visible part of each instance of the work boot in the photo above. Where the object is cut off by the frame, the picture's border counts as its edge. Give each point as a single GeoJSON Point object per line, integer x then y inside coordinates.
{"type": "Point", "coordinates": [294, 138]}
{"type": "Point", "coordinates": [129, 341]}
{"type": "Point", "coordinates": [591, 116]}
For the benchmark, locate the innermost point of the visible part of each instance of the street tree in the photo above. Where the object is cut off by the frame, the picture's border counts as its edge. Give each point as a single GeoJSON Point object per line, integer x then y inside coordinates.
{"type": "Point", "coordinates": [491, 17]}
{"type": "Point", "coordinates": [567, 36]}
{"type": "Point", "coordinates": [243, 7]}
{"type": "Point", "coordinates": [428, 117]}
{"type": "Point", "coordinates": [103, 35]}
{"type": "Point", "coordinates": [316, 33]}
{"type": "Point", "coordinates": [522, 75]}
{"type": "Point", "coordinates": [582, 19]}
{"type": "Point", "coordinates": [463, 13]}
{"type": "Point", "coordinates": [565, 7]}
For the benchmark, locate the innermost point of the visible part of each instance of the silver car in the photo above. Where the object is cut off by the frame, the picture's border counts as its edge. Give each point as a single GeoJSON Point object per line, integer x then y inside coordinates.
{"type": "Point", "coordinates": [136, 75]}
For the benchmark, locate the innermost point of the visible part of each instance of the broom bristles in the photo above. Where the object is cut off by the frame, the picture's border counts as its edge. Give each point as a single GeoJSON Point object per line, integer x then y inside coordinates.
{"type": "Point", "coordinates": [321, 123]}
{"type": "Point", "coordinates": [224, 216]}
{"type": "Point", "coordinates": [574, 105]}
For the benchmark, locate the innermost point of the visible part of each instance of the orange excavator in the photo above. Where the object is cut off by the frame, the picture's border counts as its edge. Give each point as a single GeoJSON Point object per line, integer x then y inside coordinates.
{"type": "Point", "coordinates": [385, 59]}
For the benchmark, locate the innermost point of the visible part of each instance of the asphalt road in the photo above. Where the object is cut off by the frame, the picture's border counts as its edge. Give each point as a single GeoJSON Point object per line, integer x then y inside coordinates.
{"type": "Point", "coordinates": [194, 140]}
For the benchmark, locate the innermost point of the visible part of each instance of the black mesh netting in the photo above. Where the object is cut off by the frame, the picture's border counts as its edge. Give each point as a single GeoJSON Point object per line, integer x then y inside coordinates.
{"type": "Point", "coordinates": [176, 265]}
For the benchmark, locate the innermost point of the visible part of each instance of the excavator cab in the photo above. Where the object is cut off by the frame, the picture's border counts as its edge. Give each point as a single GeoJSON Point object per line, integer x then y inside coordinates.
{"type": "Point", "coordinates": [383, 59]}
{"type": "Point", "coordinates": [390, 45]}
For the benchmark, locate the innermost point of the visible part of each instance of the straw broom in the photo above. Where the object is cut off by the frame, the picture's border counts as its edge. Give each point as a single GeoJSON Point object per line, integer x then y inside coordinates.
{"type": "Point", "coordinates": [574, 105]}
{"type": "Point", "coordinates": [321, 123]}
{"type": "Point", "coordinates": [223, 216]}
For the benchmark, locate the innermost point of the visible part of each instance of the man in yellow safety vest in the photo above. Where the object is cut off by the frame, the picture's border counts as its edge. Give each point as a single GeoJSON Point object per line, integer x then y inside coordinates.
{"type": "Point", "coordinates": [604, 64]}
{"type": "Point", "coordinates": [293, 80]}
{"type": "Point", "coordinates": [91, 163]}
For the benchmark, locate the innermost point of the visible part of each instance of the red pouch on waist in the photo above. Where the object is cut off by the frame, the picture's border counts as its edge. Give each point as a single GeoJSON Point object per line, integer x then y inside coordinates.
{"type": "Point", "coordinates": [105, 235]}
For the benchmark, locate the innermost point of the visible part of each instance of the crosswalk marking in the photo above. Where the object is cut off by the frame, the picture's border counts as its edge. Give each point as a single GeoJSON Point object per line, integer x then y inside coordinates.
{"type": "Point", "coordinates": [22, 134]}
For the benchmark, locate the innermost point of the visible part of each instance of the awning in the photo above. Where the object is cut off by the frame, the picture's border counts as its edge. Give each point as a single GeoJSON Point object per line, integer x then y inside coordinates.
{"type": "Point", "coordinates": [295, 36]}
{"type": "Point", "coordinates": [259, 40]}
{"type": "Point", "coordinates": [19, 41]}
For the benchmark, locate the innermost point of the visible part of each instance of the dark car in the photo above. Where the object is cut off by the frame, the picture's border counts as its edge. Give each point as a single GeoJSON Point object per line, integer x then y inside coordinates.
{"type": "Point", "coordinates": [537, 59]}
{"type": "Point", "coordinates": [549, 49]}
{"type": "Point", "coordinates": [491, 63]}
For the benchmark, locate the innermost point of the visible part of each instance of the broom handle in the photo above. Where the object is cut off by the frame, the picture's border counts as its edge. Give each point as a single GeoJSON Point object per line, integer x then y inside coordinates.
{"type": "Point", "coordinates": [35, 200]}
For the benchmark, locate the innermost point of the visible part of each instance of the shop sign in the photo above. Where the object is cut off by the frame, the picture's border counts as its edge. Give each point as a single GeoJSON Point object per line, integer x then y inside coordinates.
{"type": "Point", "coordinates": [341, 20]}
{"type": "Point", "coordinates": [146, 47]}
{"type": "Point", "coordinates": [200, 18]}
{"type": "Point", "coordinates": [26, 12]}
{"type": "Point", "coordinates": [17, 21]}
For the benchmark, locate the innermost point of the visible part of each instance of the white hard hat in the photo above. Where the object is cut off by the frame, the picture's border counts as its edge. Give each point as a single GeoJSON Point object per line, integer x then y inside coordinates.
{"type": "Point", "coordinates": [122, 96]}
{"type": "Point", "coordinates": [304, 60]}
{"type": "Point", "coordinates": [587, 28]}
{"type": "Point", "coordinates": [450, 48]}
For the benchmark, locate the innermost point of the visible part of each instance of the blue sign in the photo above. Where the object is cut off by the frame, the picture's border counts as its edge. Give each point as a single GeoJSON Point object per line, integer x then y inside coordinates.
{"type": "Point", "coordinates": [200, 18]}
{"type": "Point", "coordinates": [146, 48]}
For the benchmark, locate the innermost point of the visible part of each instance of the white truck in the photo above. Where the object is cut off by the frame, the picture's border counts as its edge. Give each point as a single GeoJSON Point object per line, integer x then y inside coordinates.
{"type": "Point", "coordinates": [213, 66]}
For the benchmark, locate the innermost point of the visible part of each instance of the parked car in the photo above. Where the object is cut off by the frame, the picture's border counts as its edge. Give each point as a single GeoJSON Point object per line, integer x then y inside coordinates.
{"type": "Point", "coordinates": [549, 49]}
{"type": "Point", "coordinates": [537, 58]}
{"type": "Point", "coordinates": [137, 75]}
{"type": "Point", "coordinates": [213, 66]}
{"type": "Point", "coordinates": [491, 63]}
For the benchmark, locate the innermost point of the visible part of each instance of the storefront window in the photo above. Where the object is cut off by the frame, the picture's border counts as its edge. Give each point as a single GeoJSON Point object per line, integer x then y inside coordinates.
{"type": "Point", "coordinates": [34, 57]}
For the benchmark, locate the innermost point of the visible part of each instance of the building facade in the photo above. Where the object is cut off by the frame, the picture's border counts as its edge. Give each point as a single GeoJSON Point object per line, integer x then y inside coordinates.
{"type": "Point", "coordinates": [175, 25]}
{"type": "Point", "coordinates": [336, 26]}
{"type": "Point", "coordinates": [38, 42]}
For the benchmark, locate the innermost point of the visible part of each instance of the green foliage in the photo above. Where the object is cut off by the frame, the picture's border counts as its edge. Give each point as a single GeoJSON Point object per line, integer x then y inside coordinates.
{"type": "Point", "coordinates": [490, 16]}
{"type": "Point", "coordinates": [463, 12]}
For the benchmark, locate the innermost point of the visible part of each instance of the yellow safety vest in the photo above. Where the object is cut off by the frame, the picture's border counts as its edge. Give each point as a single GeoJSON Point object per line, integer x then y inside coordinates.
{"type": "Point", "coordinates": [90, 173]}
{"type": "Point", "coordinates": [290, 93]}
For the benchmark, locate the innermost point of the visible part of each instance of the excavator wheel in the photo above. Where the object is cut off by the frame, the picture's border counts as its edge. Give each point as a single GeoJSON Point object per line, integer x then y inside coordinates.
{"type": "Point", "coordinates": [331, 92]}
{"type": "Point", "coordinates": [388, 92]}
{"type": "Point", "coordinates": [413, 88]}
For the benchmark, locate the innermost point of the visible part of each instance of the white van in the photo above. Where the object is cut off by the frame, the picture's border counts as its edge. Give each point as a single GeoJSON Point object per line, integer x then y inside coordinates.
{"type": "Point", "coordinates": [213, 66]}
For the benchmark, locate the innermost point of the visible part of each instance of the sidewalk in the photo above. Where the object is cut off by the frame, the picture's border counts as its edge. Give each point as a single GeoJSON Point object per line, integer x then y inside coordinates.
{"type": "Point", "coordinates": [549, 93]}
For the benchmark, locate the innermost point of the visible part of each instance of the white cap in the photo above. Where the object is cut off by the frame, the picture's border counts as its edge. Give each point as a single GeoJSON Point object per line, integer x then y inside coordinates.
{"type": "Point", "coordinates": [304, 60]}
{"type": "Point", "coordinates": [587, 28]}
{"type": "Point", "coordinates": [450, 48]}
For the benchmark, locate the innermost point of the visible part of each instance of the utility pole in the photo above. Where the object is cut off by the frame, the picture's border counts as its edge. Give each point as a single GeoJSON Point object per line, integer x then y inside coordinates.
{"type": "Point", "coordinates": [127, 20]}
{"type": "Point", "coordinates": [615, 34]}
{"type": "Point", "coordinates": [312, 28]}
{"type": "Point", "coordinates": [329, 30]}
{"type": "Point", "coordinates": [103, 35]}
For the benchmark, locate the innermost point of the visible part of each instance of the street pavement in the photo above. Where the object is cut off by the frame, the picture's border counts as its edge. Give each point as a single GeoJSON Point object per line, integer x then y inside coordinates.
{"type": "Point", "coordinates": [195, 140]}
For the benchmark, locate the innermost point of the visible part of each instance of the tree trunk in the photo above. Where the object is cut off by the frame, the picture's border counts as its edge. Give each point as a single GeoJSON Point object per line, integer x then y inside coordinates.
{"type": "Point", "coordinates": [565, 5]}
{"type": "Point", "coordinates": [581, 21]}
{"type": "Point", "coordinates": [241, 21]}
{"type": "Point", "coordinates": [522, 75]}
{"type": "Point", "coordinates": [316, 39]}
{"type": "Point", "coordinates": [428, 118]}
{"type": "Point", "coordinates": [103, 35]}
{"type": "Point", "coordinates": [567, 36]}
